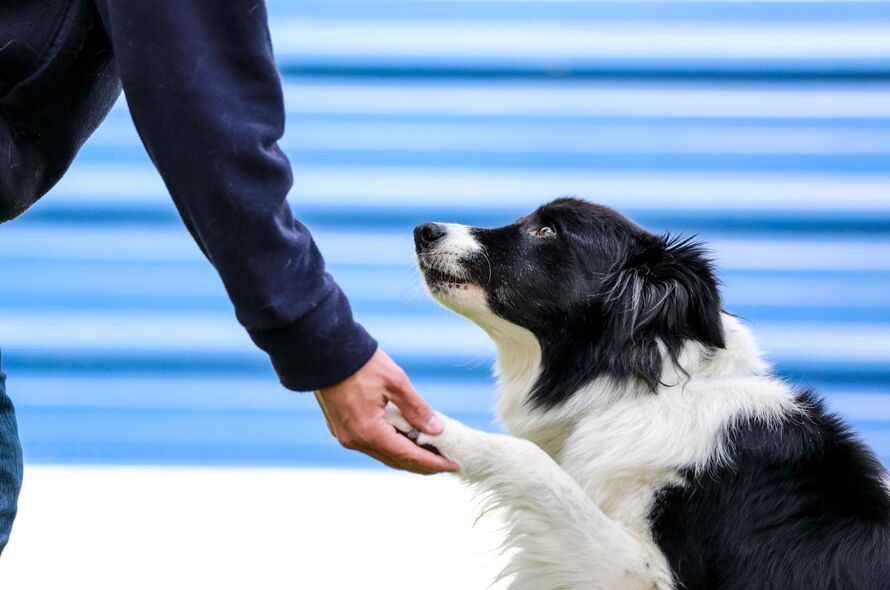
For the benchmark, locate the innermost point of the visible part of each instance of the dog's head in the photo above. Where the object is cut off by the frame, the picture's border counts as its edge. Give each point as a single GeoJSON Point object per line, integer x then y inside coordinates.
{"type": "Point", "coordinates": [601, 295]}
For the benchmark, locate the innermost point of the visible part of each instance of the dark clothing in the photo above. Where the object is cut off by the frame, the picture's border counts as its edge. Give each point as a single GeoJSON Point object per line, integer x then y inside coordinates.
{"type": "Point", "coordinates": [10, 464]}
{"type": "Point", "coordinates": [204, 92]}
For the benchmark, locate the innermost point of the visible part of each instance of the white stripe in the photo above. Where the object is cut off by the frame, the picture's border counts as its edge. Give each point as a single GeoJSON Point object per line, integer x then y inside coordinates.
{"type": "Point", "coordinates": [560, 138]}
{"type": "Point", "coordinates": [206, 391]}
{"type": "Point", "coordinates": [288, 3]}
{"type": "Point", "coordinates": [111, 333]}
{"type": "Point", "coordinates": [861, 406]}
{"type": "Point", "coordinates": [122, 332]}
{"type": "Point", "coordinates": [861, 255]}
{"type": "Point", "coordinates": [587, 100]}
{"type": "Point", "coordinates": [518, 190]}
{"type": "Point", "coordinates": [441, 337]}
{"type": "Point", "coordinates": [389, 248]}
{"type": "Point", "coordinates": [578, 99]}
{"type": "Point", "coordinates": [848, 342]}
{"type": "Point", "coordinates": [100, 244]}
{"type": "Point", "coordinates": [801, 293]}
{"type": "Point", "coordinates": [557, 137]}
{"type": "Point", "coordinates": [866, 255]}
{"type": "Point", "coordinates": [423, 40]}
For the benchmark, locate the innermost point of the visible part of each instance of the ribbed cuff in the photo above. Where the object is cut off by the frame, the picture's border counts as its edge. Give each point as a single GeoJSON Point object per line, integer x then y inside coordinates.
{"type": "Point", "coordinates": [323, 348]}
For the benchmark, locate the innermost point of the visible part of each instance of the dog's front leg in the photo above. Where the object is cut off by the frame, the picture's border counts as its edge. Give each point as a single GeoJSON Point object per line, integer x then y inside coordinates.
{"type": "Point", "coordinates": [563, 540]}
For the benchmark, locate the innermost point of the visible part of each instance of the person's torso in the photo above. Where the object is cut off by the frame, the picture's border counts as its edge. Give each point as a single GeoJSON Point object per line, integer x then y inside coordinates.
{"type": "Point", "coordinates": [57, 83]}
{"type": "Point", "coordinates": [28, 29]}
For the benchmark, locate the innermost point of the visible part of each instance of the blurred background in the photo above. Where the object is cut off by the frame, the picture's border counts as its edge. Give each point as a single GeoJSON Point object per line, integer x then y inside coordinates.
{"type": "Point", "coordinates": [763, 126]}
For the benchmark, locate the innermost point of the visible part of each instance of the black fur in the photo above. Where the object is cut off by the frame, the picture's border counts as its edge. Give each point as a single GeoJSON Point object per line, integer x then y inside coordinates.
{"type": "Point", "coordinates": [599, 294]}
{"type": "Point", "coordinates": [800, 505]}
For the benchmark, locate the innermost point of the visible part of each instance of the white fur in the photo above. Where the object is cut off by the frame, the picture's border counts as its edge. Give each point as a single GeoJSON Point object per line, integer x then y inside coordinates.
{"type": "Point", "coordinates": [578, 498]}
{"type": "Point", "coordinates": [563, 540]}
{"type": "Point", "coordinates": [460, 238]}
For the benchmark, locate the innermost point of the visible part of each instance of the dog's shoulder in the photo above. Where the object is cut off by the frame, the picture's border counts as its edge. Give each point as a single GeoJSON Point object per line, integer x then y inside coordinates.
{"type": "Point", "coordinates": [795, 503]}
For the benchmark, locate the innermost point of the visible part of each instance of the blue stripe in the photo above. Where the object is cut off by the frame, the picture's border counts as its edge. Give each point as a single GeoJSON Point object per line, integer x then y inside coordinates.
{"type": "Point", "coordinates": [217, 437]}
{"type": "Point", "coordinates": [439, 367]}
{"type": "Point", "coordinates": [530, 160]}
{"type": "Point", "coordinates": [586, 124]}
{"type": "Point", "coordinates": [382, 216]}
{"type": "Point", "coordinates": [364, 309]}
{"type": "Point", "coordinates": [119, 130]}
{"type": "Point", "coordinates": [666, 70]}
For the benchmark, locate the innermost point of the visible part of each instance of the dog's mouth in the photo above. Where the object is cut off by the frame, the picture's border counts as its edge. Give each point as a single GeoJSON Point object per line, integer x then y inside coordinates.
{"type": "Point", "coordinates": [440, 278]}
{"type": "Point", "coordinates": [437, 277]}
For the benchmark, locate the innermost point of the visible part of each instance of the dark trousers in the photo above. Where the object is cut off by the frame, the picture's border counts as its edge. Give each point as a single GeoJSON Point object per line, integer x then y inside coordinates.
{"type": "Point", "coordinates": [10, 464]}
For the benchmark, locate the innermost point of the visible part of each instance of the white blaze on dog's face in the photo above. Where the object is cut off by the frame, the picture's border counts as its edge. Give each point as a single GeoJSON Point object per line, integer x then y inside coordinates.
{"type": "Point", "coordinates": [601, 295]}
{"type": "Point", "coordinates": [444, 251]}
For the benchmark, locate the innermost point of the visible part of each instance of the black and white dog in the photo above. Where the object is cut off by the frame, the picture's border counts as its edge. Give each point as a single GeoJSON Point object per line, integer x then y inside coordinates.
{"type": "Point", "coordinates": [651, 447]}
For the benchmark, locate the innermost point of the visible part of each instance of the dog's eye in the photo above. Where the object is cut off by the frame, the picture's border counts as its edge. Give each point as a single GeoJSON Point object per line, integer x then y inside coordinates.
{"type": "Point", "coordinates": [545, 231]}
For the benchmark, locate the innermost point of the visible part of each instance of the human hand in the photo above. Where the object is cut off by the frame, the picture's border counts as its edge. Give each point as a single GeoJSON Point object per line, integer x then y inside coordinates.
{"type": "Point", "coordinates": [355, 409]}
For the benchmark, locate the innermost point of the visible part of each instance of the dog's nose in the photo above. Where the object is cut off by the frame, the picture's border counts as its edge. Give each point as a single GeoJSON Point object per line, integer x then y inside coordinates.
{"type": "Point", "coordinates": [427, 234]}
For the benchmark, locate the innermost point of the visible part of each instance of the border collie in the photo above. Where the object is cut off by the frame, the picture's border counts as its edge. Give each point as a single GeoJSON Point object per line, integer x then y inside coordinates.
{"type": "Point", "coordinates": [650, 446]}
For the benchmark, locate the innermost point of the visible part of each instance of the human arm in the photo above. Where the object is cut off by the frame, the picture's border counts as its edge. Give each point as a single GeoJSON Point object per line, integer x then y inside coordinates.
{"type": "Point", "coordinates": [205, 96]}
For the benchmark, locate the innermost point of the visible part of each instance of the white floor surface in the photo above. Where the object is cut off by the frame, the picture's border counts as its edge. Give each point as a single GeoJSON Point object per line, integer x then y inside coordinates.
{"type": "Point", "coordinates": [133, 528]}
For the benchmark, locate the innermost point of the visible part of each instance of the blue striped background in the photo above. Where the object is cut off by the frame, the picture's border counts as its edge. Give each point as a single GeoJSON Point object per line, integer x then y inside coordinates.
{"type": "Point", "coordinates": [763, 126]}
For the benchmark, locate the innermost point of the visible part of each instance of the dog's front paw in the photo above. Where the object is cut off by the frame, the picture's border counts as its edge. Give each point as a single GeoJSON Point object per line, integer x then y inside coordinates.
{"type": "Point", "coordinates": [478, 454]}
{"type": "Point", "coordinates": [394, 418]}
{"type": "Point", "coordinates": [456, 442]}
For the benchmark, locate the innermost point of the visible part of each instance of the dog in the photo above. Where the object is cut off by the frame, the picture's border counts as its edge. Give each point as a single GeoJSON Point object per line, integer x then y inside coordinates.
{"type": "Point", "coordinates": [649, 444]}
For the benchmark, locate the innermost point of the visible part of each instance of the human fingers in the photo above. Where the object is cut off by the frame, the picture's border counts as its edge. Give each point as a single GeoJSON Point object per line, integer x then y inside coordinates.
{"type": "Point", "coordinates": [400, 450]}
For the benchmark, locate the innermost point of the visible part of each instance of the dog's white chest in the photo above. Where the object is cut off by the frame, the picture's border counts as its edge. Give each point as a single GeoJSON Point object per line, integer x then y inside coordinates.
{"type": "Point", "coordinates": [624, 490]}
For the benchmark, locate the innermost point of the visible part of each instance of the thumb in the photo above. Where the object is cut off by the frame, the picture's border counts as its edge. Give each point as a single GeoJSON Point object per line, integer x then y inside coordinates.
{"type": "Point", "coordinates": [415, 410]}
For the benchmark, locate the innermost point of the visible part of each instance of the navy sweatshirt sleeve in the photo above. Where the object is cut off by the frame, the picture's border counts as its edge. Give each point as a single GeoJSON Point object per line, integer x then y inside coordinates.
{"type": "Point", "coordinates": [205, 95]}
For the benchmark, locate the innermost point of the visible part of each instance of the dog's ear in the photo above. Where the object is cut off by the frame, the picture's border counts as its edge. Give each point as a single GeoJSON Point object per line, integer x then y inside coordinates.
{"type": "Point", "coordinates": [663, 294]}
